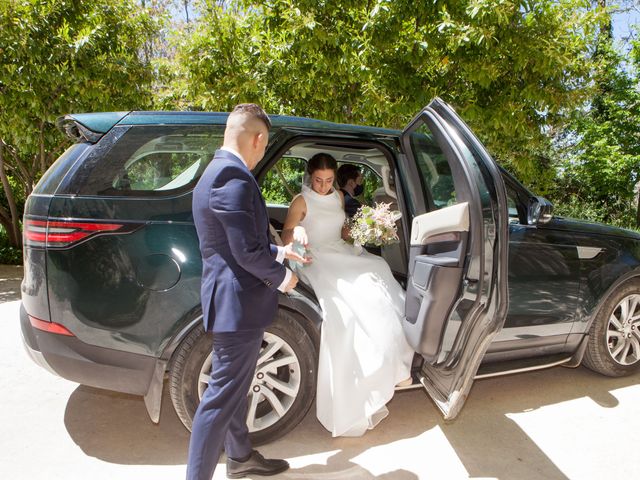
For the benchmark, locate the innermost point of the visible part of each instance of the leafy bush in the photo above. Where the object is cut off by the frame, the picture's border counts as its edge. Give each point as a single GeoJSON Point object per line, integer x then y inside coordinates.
{"type": "Point", "coordinates": [620, 215]}
{"type": "Point", "coordinates": [9, 255]}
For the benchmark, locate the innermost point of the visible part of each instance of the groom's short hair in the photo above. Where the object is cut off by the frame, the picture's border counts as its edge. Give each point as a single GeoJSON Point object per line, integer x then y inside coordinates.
{"type": "Point", "coordinates": [252, 110]}
{"type": "Point", "coordinates": [347, 172]}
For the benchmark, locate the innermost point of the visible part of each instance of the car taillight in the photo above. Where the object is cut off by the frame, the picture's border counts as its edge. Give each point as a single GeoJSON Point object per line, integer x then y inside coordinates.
{"type": "Point", "coordinates": [50, 327]}
{"type": "Point", "coordinates": [62, 233]}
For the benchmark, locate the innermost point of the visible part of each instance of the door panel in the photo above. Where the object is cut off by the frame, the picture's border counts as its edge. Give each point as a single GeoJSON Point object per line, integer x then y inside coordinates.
{"type": "Point", "coordinates": [277, 215]}
{"type": "Point", "coordinates": [433, 224]}
{"type": "Point", "coordinates": [438, 249]}
{"type": "Point", "coordinates": [458, 299]}
{"type": "Point", "coordinates": [544, 282]}
{"type": "Point", "coordinates": [544, 273]}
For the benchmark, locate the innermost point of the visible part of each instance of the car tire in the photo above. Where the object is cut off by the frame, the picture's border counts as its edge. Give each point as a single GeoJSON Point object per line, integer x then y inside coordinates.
{"type": "Point", "coordinates": [613, 348]}
{"type": "Point", "coordinates": [282, 389]}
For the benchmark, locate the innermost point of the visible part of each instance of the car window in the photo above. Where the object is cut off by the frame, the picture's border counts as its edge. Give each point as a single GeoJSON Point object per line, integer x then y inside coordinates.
{"type": "Point", "coordinates": [517, 209]}
{"type": "Point", "coordinates": [151, 160]}
{"type": "Point", "coordinates": [512, 206]}
{"type": "Point", "coordinates": [161, 170]}
{"type": "Point", "coordinates": [284, 180]}
{"type": "Point", "coordinates": [435, 171]}
{"type": "Point", "coordinates": [371, 182]}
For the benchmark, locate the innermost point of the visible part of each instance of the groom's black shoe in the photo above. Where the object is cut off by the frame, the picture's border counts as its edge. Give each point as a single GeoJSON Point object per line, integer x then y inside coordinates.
{"type": "Point", "coordinates": [255, 464]}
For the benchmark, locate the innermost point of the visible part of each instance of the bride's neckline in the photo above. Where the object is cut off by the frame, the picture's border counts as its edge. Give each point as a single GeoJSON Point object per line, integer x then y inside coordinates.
{"type": "Point", "coordinates": [306, 188]}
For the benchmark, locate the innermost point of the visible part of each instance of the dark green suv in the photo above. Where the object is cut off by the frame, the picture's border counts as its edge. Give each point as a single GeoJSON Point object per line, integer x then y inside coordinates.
{"type": "Point", "coordinates": [495, 283]}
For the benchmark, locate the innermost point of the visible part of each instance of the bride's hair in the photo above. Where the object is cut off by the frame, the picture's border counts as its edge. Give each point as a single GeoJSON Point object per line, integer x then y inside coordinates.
{"type": "Point", "coordinates": [321, 161]}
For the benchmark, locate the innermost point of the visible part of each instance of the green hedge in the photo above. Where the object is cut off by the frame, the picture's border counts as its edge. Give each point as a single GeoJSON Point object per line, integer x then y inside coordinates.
{"type": "Point", "coordinates": [8, 255]}
{"type": "Point", "coordinates": [619, 215]}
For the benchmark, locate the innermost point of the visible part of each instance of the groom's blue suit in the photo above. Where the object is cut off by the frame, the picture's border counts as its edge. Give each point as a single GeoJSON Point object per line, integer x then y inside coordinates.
{"type": "Point", "coordinates": [240, 276]}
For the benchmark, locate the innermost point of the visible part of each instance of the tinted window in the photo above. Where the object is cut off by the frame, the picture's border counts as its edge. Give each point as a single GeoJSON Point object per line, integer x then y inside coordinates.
{"type": "Point", "coordinates": [436, 175]}
{"type": "Point", "coordinates": [371, 182]}
{"type": "Point", "coordinates": [151, 161]}
{"type": "Point", "coordinates": [517, 203]}
{"type": "Point", "coordinates": [512, 205]}
{"type": "Point", "coordinates": [284, 180]}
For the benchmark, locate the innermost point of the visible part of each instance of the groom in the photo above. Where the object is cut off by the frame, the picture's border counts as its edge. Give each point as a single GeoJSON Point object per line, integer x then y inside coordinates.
{"type": "Point", "coordinates": [241, 271]}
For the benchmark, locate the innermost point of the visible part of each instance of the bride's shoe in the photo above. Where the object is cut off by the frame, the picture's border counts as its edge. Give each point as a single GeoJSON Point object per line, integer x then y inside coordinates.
{"type": "Point", "coordinates": [405, 383]}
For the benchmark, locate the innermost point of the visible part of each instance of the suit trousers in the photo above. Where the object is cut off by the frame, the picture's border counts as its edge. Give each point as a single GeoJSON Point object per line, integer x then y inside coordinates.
{"type": "Point", "coordinates": [221, 417]}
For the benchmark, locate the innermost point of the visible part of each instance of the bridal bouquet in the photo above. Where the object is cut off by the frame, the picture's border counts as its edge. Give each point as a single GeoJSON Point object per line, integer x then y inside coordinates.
{"type": "Point", "coordinates": [374, 225]}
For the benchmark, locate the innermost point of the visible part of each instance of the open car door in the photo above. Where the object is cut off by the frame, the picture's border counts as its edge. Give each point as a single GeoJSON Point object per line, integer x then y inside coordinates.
{"type": "Point", "coordinates": [457, 287]}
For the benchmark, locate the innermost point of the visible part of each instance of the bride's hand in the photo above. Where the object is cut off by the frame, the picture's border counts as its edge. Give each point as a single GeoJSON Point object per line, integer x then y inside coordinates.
{"type": "Point", "coordinates": [291, 254]}
{"type": "Point", "coordinates": [300, 236]}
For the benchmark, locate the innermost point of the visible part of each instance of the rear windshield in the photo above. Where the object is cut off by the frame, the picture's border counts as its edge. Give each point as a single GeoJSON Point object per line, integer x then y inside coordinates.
{"type": "Point", "coordinates": [49, 182]}
{"type": "Point", "coordinates": [149, 161]}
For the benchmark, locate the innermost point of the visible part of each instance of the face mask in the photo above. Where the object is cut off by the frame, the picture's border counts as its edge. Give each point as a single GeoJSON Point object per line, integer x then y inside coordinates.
{"type": "Point", "coordinates": [358, 190]}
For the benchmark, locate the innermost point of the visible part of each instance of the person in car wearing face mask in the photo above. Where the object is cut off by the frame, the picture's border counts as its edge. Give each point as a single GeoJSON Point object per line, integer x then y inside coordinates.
{"type": "Point", "coordinates": [349, 179]}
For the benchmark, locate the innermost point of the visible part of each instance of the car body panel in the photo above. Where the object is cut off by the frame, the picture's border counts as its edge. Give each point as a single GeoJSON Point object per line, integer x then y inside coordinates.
{"type": "Point", "coordinates": [544, 282]}
{"type": "Point", "coordinates": [126, 290]}
{"type": "Point", "coordinates": [617, 260]}
{"type": "Point", "coordinates": [592, 228]}
{"type": "Point", "coordinates": [34, 287]}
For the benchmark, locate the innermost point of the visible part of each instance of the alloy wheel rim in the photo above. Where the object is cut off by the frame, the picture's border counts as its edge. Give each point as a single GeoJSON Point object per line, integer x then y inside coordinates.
{"type": "Point", "coordinates": [275, 384]}
{"type": "Point", "coordinates": [623, 331]}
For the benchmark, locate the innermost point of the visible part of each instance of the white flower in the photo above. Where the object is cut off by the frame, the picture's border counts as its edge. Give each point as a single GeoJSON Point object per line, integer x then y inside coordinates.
{"type": "Point", "coordinates": [374, 225]}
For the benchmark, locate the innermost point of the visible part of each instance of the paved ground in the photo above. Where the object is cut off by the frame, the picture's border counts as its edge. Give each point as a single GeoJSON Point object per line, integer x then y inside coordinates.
{"type": "Point", "coordinates": [554, 424]}
{"type": "Point", "coordinates": [10, 278]}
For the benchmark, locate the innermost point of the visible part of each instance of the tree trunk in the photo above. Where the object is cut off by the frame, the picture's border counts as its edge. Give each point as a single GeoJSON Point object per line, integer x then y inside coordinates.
{"type": "Point", "coordinates": [20, 171]}
{"type": "Point", "coordinates": [604, 42]}
{"type": "Point", "coordinates": [13, 230]}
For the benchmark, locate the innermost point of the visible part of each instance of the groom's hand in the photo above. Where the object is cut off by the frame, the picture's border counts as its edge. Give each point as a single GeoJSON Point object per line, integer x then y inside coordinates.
{"type": "Point", "coordinates": [291, 254]}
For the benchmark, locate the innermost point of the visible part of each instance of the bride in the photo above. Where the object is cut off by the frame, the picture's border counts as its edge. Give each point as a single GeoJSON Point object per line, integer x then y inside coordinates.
{"type": "Point", "coordinates": [363, 352]}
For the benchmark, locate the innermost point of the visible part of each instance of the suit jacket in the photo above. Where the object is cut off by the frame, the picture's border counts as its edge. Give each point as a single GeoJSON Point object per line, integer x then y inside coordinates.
{"type": "Point", "coordinates": [240, 274]}
{"type": "Point", "coordinates": [351, 205]}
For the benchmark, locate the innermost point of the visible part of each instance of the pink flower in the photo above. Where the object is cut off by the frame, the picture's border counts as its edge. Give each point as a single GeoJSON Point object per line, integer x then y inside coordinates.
{"type": "Point", "coordinates": [374, 225]}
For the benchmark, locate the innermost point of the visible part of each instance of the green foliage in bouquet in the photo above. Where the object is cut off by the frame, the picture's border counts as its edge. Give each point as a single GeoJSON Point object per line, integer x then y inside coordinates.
{"type": "Point", "coordinates": [374, 225]}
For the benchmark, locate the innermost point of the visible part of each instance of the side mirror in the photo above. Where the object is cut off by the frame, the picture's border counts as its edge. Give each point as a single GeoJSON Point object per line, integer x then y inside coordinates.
{"type": "Point", "coordinates": [540, 211]}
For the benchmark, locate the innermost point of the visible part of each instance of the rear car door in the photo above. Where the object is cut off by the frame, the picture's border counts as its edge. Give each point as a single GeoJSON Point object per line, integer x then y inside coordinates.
{"type": "Point", "coordinates": [457, 294]}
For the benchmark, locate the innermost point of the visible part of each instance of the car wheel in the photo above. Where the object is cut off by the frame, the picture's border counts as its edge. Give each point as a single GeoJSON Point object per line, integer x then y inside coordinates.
{"type": "Point", "coordinates": [613, 347]}
{"type": "Point", "coordinates": [282, 388]}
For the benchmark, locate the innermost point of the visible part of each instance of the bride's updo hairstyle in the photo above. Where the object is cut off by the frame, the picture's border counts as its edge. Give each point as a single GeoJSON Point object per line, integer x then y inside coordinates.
{"type": "Point", "coordinates": [321, 161]}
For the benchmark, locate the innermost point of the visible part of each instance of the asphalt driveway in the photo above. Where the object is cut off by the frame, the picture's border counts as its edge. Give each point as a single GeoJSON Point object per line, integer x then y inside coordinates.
{"type": "Point", "coordinates": [553, 424]}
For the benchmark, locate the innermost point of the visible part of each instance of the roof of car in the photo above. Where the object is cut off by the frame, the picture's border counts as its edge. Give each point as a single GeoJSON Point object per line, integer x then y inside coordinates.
{"type": "Point", "coordinates": [102, 122]}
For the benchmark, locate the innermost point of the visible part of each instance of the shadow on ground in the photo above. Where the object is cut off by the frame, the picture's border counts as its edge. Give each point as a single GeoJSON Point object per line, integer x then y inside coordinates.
{"type": "Point", "coordinates": [115, 428]}
{"type": "Point", "coordinates": [10, 280]}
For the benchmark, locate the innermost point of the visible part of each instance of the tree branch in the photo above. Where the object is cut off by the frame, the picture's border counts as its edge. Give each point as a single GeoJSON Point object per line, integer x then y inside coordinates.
{"type": "Point", "coordinates": [14, 230]}
{"type": "Point", "coordinates": [24, 173]}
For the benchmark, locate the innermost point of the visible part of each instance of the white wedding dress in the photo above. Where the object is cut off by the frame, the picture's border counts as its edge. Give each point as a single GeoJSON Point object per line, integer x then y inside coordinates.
{"type": "Point", "coordinates": [363, 351]}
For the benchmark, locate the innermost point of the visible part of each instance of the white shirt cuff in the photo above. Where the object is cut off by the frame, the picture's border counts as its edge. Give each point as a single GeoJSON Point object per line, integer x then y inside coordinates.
{"type": "Point", "coordinates": [280, 256]}
{"type": "Point", "coordinates": [285, 282]}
